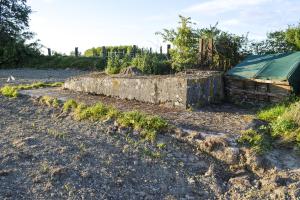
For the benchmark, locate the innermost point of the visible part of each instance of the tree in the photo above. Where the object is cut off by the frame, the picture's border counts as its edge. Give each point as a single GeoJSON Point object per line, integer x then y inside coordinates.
{"type": "Point", "coordinates": [293, 37]}
{"type": "Point", "coordinates": [14, 25]}
{"type": "Point", "coordinates": [186, 45]}
{"type": "Point", "coordinates": [278, 42]}
{"type": "Point", "coordinates": [184, 40]}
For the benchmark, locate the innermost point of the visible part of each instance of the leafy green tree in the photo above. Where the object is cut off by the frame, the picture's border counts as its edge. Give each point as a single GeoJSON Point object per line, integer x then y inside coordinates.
{"type": "Point", "coordinates": [293, 37]}
{"type": "Point", "coordinates": [276, 42]}
{"type": "Point", "coordinates": [14, 24]}
{"type": "Point", "coordinates": [184, 40]}
{"type": "Point", "coordinates": [186, 45]}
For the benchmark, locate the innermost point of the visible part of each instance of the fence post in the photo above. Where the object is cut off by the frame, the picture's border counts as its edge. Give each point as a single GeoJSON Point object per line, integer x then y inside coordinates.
{"type": "Point", "coordinates": [76, 51]}
{"type": "Point", "coordinates": [103, 52]}
{"type": "Point", "coordinates": [160, 50]}
{"type": "Point", "coordinates": [134, 50]}
{"type": "Point", "coordinates": [210, 50]}
{"type": "Point", "coordinates": [49, 52]}
{"type": "Point", "coordinates": [168, 50]}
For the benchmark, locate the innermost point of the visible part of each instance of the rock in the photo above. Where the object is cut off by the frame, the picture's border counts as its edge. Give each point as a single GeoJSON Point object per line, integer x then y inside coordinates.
{"type": "Point", "coordinates": [218, 147]}
{"type": "Point", "coordinates": [279, 193]}
{"type": "Point", "coordinates": [194, 136]}
{"type": "Point", "coordinates": [212, 143]}
{"type": "Point", "coordinates": [256, 163]}
{"type": "Point", "coordinates": [124, 130]}
{"type": "Point", "coordinates": [241, 183]}
{"type": "Point", "coordinates": [111, 130]}
{"type": "Point", "coordinates": [179, 133]}
{"type": "Point", "coordinates": [210, 171]}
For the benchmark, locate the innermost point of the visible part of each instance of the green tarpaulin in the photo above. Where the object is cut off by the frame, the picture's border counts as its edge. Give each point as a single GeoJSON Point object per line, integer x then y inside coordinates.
{"type": "Point", "coordinates": [268, 67]}
{"type": "Point", "coordinates": [277, 67]}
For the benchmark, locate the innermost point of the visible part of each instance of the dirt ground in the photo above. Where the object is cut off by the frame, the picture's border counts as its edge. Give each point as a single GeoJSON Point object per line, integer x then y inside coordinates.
{"type": "Point", "coordinates": [47, 155]}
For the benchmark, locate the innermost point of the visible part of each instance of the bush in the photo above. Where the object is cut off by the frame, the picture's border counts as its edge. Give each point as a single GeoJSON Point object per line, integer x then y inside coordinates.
{"type": "Point", "coordinates": [65, 62]}
{"type": "Point", "coordinates": [116, 63]}
{"type": "Point", "coordinates": [152, 64]}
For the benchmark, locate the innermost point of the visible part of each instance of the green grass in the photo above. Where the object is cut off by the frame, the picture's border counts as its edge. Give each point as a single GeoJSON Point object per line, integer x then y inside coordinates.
{"type": "Point", "coordinates": [13, 91]}
{"type": "Point", "coordinates": [149, 126]}
{"type": "Point", "coordinates": [70, 105]}
{"type": "Point", "coordinates": [283, 127]}
{"type": "Point", "coordinates": [9, 91]}
{"type": "Point", "coordinates": [260, 140]}
{"type": "Point", "coordinates": [49, 101]}
{"type": "Point", "coordinates": [272, 113]}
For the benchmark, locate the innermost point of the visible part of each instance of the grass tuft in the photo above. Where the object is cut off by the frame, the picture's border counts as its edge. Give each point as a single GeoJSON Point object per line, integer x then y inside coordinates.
{"type": "Point", "coordinates": [9, 91]}
{"type": "Point", "coordinates": [70, 105]}
{"type": "Point", "coordinates": [49, 101]}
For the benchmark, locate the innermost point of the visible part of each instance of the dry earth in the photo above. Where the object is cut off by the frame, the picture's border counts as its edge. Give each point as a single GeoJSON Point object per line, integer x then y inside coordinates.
{"type": "Point", "coordinates": [47, 155]}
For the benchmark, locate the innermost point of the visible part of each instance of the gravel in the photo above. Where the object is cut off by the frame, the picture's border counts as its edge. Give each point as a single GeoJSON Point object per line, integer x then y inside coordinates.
{"type": "Point", "coordinates": [45, 155]}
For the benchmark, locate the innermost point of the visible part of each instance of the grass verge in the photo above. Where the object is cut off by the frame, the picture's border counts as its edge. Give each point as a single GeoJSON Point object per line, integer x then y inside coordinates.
{"type": "Point", "coordinates": [13, 91]}
{"type": "Point", "coordinates": [283, 129]}
{"type": "Point", "coordinates": [148, 126]}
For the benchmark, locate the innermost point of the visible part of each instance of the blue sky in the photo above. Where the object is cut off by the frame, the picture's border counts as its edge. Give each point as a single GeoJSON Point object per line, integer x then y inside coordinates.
{"type": "Point", "coordinates": [64, 24]}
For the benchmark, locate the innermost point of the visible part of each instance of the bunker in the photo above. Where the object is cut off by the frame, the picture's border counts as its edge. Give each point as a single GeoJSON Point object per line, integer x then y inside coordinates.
{"type": "Point", "coordinates": [183, 91]}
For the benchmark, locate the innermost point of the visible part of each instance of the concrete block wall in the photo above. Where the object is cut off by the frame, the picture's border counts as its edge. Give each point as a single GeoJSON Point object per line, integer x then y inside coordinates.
{"type": "Point", "coordinates": [171, 90]}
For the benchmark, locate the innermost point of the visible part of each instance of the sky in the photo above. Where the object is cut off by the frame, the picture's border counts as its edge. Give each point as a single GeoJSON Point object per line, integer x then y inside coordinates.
{"type": "Point", "coordinates": [63, 25]}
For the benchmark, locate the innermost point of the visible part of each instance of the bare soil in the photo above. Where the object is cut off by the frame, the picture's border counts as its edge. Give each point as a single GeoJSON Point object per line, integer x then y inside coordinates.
{"type": "Point", "coordinates": [45, 154]}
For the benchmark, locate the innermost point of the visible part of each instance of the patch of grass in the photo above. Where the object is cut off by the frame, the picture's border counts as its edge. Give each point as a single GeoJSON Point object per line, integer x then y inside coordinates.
{"type": "Point", "coordinates": [139, 120]}
{"type": "Point", "coordinates": [148, 125]}
{"type": "Point", "coordinates": [49, 101]}
{"type": "Point", "coordinates": [258, 140]}
{"type": "Point", "coordinates": [70, 104]}
{"type": "Point", "coordinates": [272, 113]}
{"type": "Point", "coordinates": [149, 135]}
{"type": "Point", "coordinates": [161, 145]}
{"type": "Point", "coordinates": [112, 113]}
{"type": "Point", "coordinates": [283, 128]}
{"type": "Point", "coordinates": [9, 91]}
{"type": "Point", "coordinates": [94, 112]}
{"type": "Point", "coordinates": [13, 91]}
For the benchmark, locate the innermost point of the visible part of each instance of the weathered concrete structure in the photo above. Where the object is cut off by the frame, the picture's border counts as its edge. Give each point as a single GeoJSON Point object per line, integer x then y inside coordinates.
{"type": "Point", "coordinates": [171, 90]}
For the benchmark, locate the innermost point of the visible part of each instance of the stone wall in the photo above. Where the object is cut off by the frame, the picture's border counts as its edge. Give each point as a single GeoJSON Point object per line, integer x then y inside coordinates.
{"type": "Point", "coordinates": [172, 90]}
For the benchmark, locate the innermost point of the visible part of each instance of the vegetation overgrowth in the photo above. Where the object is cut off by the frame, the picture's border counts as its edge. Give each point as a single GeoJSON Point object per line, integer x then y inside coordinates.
{"type": "Point", "coordinates": [12, 91]}
{"type": "Point", "coordinates": [282, 129]}
{"type": "Point", "coordinates": [147, 125]}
